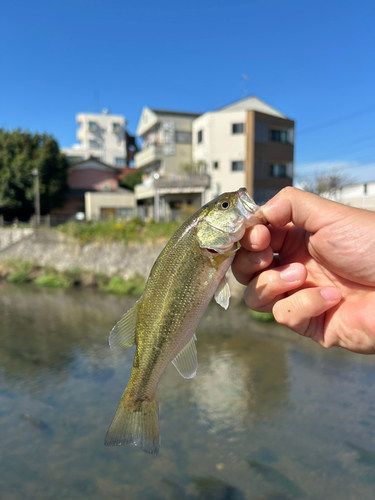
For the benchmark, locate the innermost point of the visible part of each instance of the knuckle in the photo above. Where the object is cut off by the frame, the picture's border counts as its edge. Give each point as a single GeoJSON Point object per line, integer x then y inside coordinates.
{"type": "Point", "coordinates": [287, 192]}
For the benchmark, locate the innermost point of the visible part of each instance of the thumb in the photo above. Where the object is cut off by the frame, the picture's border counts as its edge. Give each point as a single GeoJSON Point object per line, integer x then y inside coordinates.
{"type": "Point", "coordinates": [305, 210]}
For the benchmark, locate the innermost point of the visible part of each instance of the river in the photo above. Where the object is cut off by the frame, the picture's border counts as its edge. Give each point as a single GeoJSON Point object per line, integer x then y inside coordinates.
{"type": "Point", "coordinates": [269, 415]}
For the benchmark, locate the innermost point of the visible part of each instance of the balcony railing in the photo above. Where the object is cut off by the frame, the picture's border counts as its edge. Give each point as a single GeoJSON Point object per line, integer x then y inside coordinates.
{"type": "Point", "coordinates": [148, 155]}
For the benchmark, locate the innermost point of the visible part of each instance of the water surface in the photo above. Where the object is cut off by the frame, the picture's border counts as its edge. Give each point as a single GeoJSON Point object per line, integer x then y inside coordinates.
{"type": "Point", "coordinates": [269, 416]}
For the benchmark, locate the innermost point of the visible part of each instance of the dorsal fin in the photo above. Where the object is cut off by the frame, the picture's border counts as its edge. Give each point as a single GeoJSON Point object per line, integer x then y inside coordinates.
{"type": "Point", "coordinates": [123, 333]}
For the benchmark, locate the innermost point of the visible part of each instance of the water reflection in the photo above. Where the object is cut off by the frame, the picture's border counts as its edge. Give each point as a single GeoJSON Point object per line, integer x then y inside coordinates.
{"type": "Point", "coordinates": [268, 416]}
{"type": "Point", "coordinates": [239, 381]}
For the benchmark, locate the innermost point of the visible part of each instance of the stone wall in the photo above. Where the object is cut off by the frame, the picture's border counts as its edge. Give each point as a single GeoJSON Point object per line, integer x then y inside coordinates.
{"type": "Point", "coordinates": [51, 248]}
{"type": "Point", "coordinates": [10, 236]}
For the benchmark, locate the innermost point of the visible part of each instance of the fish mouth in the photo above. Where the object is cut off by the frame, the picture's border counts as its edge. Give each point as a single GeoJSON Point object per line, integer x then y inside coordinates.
{"type": "Point", "coordinates": [247, 202]}
{"type": "Point", "coordinates": [249, 209]}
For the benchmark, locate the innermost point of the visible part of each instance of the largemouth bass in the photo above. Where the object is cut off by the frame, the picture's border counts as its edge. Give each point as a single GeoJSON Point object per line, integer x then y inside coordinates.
{"type": "Point", "coordinates": [185, 276]}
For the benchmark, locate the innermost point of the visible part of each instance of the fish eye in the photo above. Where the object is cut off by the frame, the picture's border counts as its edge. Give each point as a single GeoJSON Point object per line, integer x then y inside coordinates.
{"type": "Point", "coordinates": [225, 204]}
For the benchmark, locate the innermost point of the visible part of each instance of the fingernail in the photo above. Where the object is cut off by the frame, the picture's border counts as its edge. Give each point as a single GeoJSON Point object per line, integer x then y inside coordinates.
{"type": "Point", "coordinates": [291, 274]}
{"type": "Point", "coordinates": [330, 293]}
{"type": "Point", "coordinates": [254, 239]}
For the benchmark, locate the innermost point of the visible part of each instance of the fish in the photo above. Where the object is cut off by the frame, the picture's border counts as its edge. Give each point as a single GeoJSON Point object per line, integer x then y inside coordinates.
{"type": "Point", "coordinates": [189, 271]}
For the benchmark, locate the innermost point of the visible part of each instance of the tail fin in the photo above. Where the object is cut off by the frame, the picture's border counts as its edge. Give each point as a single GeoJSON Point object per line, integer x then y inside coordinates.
{"type": "Point", "coordinates": [135, 423]}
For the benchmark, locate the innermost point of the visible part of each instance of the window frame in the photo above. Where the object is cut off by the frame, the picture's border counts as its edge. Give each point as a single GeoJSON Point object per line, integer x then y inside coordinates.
{"type": "Point", "coordinates": [242, 127]}
{"type": "Point", "coordinates": [237, 169]}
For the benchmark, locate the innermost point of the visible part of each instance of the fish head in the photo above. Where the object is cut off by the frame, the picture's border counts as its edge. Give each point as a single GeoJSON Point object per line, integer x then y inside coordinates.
{"type": "Point", "coordinates": [229, 214]}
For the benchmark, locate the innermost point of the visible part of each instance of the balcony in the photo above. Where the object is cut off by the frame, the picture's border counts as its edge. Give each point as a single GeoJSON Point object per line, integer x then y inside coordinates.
{"type": "Point", "coordinates": [81, 134]}
{"type": "Point", "coordinates": [182, 184]}
{"type": "Point", "coordinates": [174, 184]}
{"type": "Point", "coordinates": [143, 191]}
{"type": "Point", "coordinates": [148, 156]}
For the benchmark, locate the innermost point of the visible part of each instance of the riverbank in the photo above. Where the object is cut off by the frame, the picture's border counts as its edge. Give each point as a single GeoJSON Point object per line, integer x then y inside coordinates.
{"type": "Point", "coordinates": [52, 258]}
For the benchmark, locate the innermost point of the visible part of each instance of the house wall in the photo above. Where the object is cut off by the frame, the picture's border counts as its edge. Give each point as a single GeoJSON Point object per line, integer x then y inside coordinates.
{"type": "Point", "coordinates": [91, 178]}
{"type": "Point", "coordinates": [265, 186]}
{"type": "Point", "coordinates": [220, 145]}
{"type": "Point", "coordinates": [160, 150]}
{"type": "Point", "coordinates": [121, 204]}
{"type": "Point", "coordinates": [357, 195]}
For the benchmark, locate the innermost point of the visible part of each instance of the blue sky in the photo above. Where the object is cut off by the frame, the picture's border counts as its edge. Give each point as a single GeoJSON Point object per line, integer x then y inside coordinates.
{"type": "Point", "coordinates": [314, 61]}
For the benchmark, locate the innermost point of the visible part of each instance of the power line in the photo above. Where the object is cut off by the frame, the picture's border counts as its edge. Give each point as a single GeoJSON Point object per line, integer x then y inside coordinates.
{"type": "Point", "coordinates": [364, 111]}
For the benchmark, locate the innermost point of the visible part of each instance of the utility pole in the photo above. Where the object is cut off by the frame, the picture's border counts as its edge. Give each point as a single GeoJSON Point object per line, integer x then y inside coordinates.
{"type": "Point", "coordinates": [35, 173]}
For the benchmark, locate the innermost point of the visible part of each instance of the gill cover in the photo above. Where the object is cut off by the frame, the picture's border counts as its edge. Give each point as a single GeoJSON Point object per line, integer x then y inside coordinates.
{"type": "Point", "coordinates": [225, 220]}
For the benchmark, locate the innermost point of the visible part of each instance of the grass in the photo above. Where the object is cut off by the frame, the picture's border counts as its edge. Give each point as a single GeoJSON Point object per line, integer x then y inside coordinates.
{"type": "Point", "coordinates": [264, 317]}
{"type": "Point", "coordinates": [134, 230]}
{"type": "Point", "coordinates": [53, 280]}
{"type": "Point", "coordinates": [119, 286]}
{"type": "Point", "coordinates": [19, 271]}
{"type": "Point", "coordinates": [23, 272]}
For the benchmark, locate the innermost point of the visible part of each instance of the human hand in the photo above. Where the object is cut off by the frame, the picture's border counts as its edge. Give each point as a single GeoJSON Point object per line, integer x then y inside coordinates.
{"type": "Point", "coordinates": [322, 282]}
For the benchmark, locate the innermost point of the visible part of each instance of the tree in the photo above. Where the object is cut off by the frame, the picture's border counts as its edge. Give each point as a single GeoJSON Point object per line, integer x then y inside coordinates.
{"type": "Point", "coordinates": [20, 153]}
{"type": "Point", "coordinates": [326, 184]}
{"type": "Point", "coordinates": [130, 180]}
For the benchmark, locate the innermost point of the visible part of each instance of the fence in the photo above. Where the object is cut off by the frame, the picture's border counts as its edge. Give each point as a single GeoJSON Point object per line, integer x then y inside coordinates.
{"type": "Point", "coordinates": [56, 220]}
{"type": "Point", "coordinates": [34, 221]}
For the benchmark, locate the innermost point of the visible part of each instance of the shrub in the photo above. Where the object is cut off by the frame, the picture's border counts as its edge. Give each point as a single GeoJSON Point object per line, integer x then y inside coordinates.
{"type": "Point", "coordinates": [259, 316]}
{"type": "Point", "coordinates": [53, 280]}
{"type": "Point", "coordinates": [133, 286]}
{"type": "Point", "coordinates": [20, 272]}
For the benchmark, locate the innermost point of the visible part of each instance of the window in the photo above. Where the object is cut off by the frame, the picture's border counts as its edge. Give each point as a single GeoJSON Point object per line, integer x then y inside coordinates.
{"type": "Point", "coordinates": [215, 165]}
{"type": "Point", "coordinates": [93, 144]}
{"type": "Point", "coordinates": [93, 127]}
{"type": "Point", "coordinates": [278, 170]}
{"type": "Point", "coordinates": [279, 136]}
{"type": "Point", "coordinates": [261, 132]}
{"type": "Point", "coordinates": [116, 127]}
{"type": "Point", "coordinates": [237, 128]}
{"type": "Point", "coordinates": [237, 166]}
{"type": "Point", "coordinates": [183, 137]}
{"type": "Point", "coordinates": [74, 159]}
{"type": "Point", "coordinates": [200, 136]}
{"type": "Point", "coordinates": [125, 212]}
{"type": "Point", "coordinates": [120, 162]}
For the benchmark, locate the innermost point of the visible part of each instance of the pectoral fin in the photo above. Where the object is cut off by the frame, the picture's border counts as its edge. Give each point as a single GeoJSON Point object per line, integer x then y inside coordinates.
{"type": "Point", "coordinates": [222, 293]}
{"type": "Point", "coordinates": [123, 333]}
{"type": "Point", "coordinates": [186, 361]}
{"type": "Point", "coordinates": [209, 237]}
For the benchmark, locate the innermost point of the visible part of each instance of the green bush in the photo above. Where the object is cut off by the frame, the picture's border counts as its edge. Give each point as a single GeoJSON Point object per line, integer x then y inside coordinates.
{"type": "Point", "coordinates": [20, 272]}
{"type": "Point", "coordinates": [259, 316]}
{"type": "Point", "coordinates": [134, 286]}
{"type": "Point", "coordinates": [53, 280]}
{"type": "Point", "coordinates": [133, 230]}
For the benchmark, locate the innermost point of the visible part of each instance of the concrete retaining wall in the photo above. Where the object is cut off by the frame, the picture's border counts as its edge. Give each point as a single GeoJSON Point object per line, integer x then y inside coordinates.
{"type": "Point", "coordinates": [51, 248]}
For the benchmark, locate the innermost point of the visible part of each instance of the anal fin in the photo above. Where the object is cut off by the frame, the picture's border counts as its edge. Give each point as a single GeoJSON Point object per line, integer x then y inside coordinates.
{"type": "Point", "coordinates": [222, 293]}
{"type": "Point", "coordinates": [186, 361]}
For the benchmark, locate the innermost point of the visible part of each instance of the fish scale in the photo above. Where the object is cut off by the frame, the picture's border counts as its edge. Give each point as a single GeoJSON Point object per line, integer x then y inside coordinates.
{"type": "Point", "coordinates": [162, 323]}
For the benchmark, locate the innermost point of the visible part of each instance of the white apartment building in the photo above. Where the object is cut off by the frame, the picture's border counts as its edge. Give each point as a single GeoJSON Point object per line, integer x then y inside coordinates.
{"type": "Point", "coordinates": [354, 195]}
{"type": "Point", "coordinates": [248, 143]}
{"type": "Point", "coordinates": [101, 136]}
